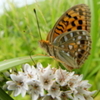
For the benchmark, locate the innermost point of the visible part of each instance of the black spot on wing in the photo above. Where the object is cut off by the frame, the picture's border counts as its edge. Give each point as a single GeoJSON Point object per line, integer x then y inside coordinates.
{"type": "Point", "coordinates": [69, 29]}
{"type": "Point", "coordinates": [79, 27]}
{"type": "Point", "coordinates": [68, 15]}
{"type": "Point", "coordinates": [56, 32]}
{"type": "Point", "coordinates": [79, 55]}
{"type": "Point", "coordinates": [82, 51]}
{"type": "Point", "coordinates": [61, 26]}
{"type": "Point", "coordinates": [73, 24]}
{"type": "Point", "coordinates": [75, 17]}
{"type": "Point", "coordinates": [80, 21]}
{"type": "Point", "coordinates": [59, 29]}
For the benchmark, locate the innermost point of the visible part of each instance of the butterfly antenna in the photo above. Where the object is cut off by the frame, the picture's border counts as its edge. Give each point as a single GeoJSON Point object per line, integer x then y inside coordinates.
{"type": "Point", "coordinates": [37, 23]}
{"type": "Point", "coordinates": [30, 52]}
{"type": "Point", "coordinates": [32, 58]}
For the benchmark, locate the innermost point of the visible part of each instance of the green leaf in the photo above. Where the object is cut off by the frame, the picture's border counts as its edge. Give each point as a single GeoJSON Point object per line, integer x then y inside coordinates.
{"type": "Point", "coordinates": [4, 95]}
{"type": "Point", "coordinates": [4, 65]}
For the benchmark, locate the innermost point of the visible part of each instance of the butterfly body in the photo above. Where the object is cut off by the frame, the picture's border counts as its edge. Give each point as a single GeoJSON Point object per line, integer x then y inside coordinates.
{"type": "Point", "coordinates": [69, 41]}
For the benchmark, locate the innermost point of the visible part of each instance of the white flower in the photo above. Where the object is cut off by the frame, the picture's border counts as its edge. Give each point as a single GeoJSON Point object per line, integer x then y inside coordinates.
{"type": "Point", "coordinates": [30, 72]}
{"type": "Point", "coordinates": [84, 84]}
{"type": "Point", "coordinates": [49, 84]}
{"type": "Point", "coordinates": [35, 89]}
{"type": "Point", "coordinates": [89, 94]}
{"type": "Point", "coordinates": [46, 77]}
{"type": "Point", "coordinates": [40, 68]}
{"type": "Point", "coordinates": [74, 82]}
{"type": "Point", "coordinates": [44, 71]}
{"type": "Point", "coordinates": [49, 97]}
{"type": "Point", "coordinates": [62, 76]}
{"type": "Point", "coordinates": [64, 95]}
{"type": "Point", "coordinates": [54, 90]}
{"type": "Point", "coordinates": [78, 97]}
{"type": "Point", "coordinates": [83, 94]}
{"type": "Point", "coordinates": [18, 85]}
{"type": "Point", "coordinates": [46, 81]}
{"type": "Point", "coordinates": [80, 88]}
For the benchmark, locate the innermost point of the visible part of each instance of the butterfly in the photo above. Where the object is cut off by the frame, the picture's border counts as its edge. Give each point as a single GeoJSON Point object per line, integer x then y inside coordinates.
{"type": "Point", "coordinates": [69, 41]}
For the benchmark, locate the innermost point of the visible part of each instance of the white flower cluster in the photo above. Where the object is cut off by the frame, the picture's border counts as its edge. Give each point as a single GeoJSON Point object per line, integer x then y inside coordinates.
{"type": "Point", "coordinates": [49, 84]}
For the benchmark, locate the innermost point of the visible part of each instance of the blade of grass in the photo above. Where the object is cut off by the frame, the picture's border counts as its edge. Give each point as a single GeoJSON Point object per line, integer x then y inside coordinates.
{"type": "Point", "coordinates": [94, 33]}
{"type": "Point", "coordinates": [4, 96]}
{"type": "Point", "coordinates": [4, 65]}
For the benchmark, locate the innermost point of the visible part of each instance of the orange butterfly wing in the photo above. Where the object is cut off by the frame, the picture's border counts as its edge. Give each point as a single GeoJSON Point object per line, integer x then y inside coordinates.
{"type": "Point", "coordinates": [76, 18]}
{"type": "Point", "coordinates": [74, 48]}
{"type": "Point", "coordinates": [69, 40]}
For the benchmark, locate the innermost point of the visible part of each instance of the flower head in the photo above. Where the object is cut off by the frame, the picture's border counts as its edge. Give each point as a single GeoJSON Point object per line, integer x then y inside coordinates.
{"type": "Point", "coordinates": [30, 72]}
{"type": "Point", "coordinates": [54, 90]}
{"type": "Point", "coordinates": [18, 84]}
{"type": "Point", "coordinates": [49, 84]}
{"type": "Point", "coordinates": [35, 89]}
{"type": "Point", "coordinates": [46, 76]}
{"type": "Point", "coordinates": [62, 76]}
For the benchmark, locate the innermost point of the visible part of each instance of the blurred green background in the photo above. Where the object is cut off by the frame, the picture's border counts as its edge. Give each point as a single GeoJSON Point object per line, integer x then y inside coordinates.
{"type": "Point", "coordinates": [19, 34]}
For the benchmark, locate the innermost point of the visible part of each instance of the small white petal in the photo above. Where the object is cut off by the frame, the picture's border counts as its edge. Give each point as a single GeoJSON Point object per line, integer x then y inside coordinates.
{"type": "Point", "coordinates": [39, 66]}
{"type": "Point", "coordinates": [25, 86]}
{"type": "Point", "coordinates": [80, 97]}
{"type": "Point", "coordinates": [35, 97]}
{"type": "Point", "coordinates": [13, 77]}
{"type": "Point", "coordinates": [12, 87]}
{"type": "Point", "coordinates": [10, 83]}
{"type": "Point", "coordinates": [23, 92]}
{"type": "Point", "coordinates": [48, 97]}
{"type": "Point", "coordinates": [17, 92]}
{"type": "Point", "coordinates": [27, 68]}
{"type": "Point", "coordinates": [89, 98]}
{"type": "Point", "coordinates": [54, 90]}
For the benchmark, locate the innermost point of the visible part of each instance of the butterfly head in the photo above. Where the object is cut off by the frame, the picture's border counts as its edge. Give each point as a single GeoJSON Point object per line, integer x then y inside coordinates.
{"type": "Point", "coordinates": [44, 44]}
